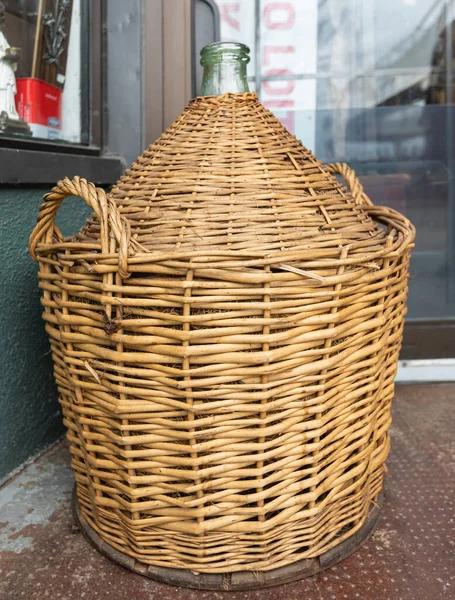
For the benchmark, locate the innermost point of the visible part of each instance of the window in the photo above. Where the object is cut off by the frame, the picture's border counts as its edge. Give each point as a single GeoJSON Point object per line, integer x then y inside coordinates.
{"type": "Point", "coordinates": [370, 82]}
{"type": "Point", "coordinates": [56, 58]}
{"type": "Point", "coordinates": [41, 46]}
{"type": "Point", "coordinates": [125, 75]}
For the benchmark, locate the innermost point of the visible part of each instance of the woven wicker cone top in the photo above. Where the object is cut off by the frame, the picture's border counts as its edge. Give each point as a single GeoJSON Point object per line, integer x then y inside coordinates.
{"type": "Point", "coordinates": [225, 332]}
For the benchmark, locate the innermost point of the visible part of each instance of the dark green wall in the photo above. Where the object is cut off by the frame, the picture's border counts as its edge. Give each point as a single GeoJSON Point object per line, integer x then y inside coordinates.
{"type": "Point", "coordinates": [29, 412]}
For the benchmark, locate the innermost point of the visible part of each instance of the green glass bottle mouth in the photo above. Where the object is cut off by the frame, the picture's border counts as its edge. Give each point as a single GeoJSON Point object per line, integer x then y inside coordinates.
{"type": "Point", "coordinates": [224, 51]}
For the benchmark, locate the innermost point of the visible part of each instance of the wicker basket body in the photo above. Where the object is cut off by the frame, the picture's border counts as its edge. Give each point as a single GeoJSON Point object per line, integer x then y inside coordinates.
{"type": "Point", "coordinates": [225, 332]}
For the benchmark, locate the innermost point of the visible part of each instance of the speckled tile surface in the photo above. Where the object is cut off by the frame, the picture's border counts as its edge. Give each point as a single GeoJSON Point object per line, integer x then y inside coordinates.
{"type": "Point", "coordinates": [411, 555]}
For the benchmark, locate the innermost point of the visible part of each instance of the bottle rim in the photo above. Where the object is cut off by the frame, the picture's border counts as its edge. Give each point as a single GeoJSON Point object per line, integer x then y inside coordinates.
{"type": "Point", "coordinates": [224, 51]}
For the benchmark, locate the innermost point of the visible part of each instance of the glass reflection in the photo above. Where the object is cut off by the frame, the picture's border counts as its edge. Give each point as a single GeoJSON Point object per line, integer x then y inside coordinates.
{"type": "Point", "coordinates": [369, 82]}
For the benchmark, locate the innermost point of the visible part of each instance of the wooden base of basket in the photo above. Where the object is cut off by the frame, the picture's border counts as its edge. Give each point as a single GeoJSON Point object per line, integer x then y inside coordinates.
{"type": "Point", "coordinates": [240, 580]}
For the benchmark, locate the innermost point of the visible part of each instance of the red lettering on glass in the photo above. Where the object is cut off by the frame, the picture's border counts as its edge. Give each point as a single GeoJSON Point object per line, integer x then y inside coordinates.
{"type": "Point", "coordinates": [269, 50]}
{"type": "Point", "coordinates": [288, 120]}
{"type": "Point", "coordinates": [272, 23]}
{"type": "Point", "coordinates": [274, 103]}
{"type": "Point", "coordinates": [278, 90]}
{"type": "Point", "coordinates": [226, 11]}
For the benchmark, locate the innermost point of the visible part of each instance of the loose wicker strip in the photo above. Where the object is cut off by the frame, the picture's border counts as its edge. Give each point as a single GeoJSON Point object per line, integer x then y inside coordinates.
{"type": "Point", "coordinates": [225, 332]}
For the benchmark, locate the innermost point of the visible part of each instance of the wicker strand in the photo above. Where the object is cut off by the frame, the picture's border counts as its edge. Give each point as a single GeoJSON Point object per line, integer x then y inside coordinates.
{"type": "Point", "coordinates": [352, 180]}
{"type": "Point", "coordinates": [104, 207]}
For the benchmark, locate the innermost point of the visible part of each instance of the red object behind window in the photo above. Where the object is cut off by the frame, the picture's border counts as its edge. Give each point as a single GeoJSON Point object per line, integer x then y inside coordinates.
{"type": "Point", "coordinates": [40, 105]}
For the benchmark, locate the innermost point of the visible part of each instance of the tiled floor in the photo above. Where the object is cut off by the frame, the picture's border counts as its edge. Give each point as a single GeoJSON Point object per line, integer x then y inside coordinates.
{"type": "Point", "coordinates": [411, 555]}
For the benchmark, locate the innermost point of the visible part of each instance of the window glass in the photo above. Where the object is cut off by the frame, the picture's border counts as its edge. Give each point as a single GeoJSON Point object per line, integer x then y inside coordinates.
{"type": "Point", "coordinates": [40, 69]}
{"type": "Point", "coordinates": [371, 83]}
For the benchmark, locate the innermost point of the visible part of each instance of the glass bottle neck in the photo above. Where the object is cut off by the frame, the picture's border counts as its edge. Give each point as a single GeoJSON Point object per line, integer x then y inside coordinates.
{"type": "Point", "coordinates": [224, 69]}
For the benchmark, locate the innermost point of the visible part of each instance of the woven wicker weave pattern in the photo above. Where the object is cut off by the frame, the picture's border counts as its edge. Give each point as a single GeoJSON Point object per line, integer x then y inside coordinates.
{"type": "Point", "coordinates": [225, 333]}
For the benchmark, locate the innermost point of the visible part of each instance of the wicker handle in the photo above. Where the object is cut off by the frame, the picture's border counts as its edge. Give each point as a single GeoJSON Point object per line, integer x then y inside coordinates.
{"type": "Point", "coordinates": [111, 222]}
{"type": "Point", "coordinates": [352, 182]}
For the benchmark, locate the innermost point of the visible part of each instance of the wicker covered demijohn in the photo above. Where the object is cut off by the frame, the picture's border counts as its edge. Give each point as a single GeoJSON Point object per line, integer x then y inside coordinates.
{"type": "Point", "coordinates": [225, 332]}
